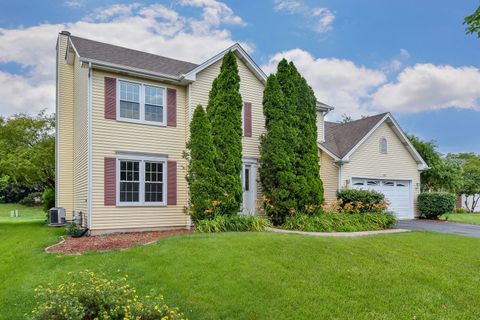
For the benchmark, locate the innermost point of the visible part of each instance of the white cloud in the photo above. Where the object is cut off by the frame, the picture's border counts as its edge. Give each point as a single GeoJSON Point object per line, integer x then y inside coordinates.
{"type": "Point", "coordinates": [154, 28]}
{"type": "Point", "coordinates": [290, 6]}
{"type": "Point", "coordinates": [429, 87]}
{"type": "Point", "coordinates": [340, 83]}
{"type": "Point", "coordinates": [397, 62]}
{"type": "Point", "coordinates": [75, 4]}
{"type": "Point", "coordinates": [320, 19]}
{"type": "Point", "coordinates": [357, 90]}
{"type": "Point", "coordinates": [325, 20]}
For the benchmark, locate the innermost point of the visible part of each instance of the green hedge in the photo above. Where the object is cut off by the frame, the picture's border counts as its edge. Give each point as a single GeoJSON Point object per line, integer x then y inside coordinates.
{"type": "Point", "coordinates": [433, 204]}
{"type": "Point", "coordinates": [225, 223]}
{"type": "Point", "coordinates": [363, 200]}
{"type": "Point", "coordinates": [340, 222]}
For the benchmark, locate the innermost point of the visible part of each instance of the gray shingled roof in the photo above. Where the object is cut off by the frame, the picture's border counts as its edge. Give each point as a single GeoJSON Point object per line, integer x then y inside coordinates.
{"type": "Point", "coordinates": [341, 138]}
{"type": "Point", "coordinates": [112, 54]}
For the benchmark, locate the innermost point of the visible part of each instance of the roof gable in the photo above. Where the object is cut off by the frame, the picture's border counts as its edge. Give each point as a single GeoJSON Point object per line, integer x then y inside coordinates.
{"type": "Point", "coordinates": [342, 140]}
{"type": "Point", "coordinates": [241, 54]}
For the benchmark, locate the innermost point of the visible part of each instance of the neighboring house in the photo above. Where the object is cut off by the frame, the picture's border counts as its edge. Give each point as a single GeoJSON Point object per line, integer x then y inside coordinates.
{"type": "Point", "coordinates": [467, 202]}
{"type": "Point", "coordinates": [123, 123]}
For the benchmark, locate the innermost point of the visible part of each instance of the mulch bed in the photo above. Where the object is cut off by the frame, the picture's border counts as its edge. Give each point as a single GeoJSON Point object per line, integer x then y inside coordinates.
{"type": "Point", "coordinates": [107, 242]}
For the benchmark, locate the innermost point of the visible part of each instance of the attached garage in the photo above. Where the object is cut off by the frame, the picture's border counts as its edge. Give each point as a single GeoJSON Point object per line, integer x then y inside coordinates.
{"type": "Point", "coordinates": [397, 192]}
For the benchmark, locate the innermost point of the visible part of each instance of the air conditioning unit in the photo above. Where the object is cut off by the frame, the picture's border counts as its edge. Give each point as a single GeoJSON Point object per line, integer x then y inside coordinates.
{"type": "Point", "coordinates": [56, 217]}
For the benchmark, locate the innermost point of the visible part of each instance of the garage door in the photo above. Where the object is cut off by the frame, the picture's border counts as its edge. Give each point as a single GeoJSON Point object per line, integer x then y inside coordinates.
{"type": "Point", "coordinates": [397, 193]}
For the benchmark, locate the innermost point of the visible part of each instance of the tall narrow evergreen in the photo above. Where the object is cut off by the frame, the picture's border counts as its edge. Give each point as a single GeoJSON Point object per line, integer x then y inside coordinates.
{"type": "Point", "coordinates": [290, 170]}
{"type": "Point", "coordinates": [225, 114]}
{"type": "Point", "coordinates": [202, 176]}
{"type": "Point", "coordinates": [307, 166]}
{"type": "Point", "coordinates": [277, 158]}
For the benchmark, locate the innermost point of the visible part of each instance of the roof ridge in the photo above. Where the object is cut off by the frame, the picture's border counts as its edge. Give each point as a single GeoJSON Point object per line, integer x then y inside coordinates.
{"type": "Point", "coordinates": [136, 50]}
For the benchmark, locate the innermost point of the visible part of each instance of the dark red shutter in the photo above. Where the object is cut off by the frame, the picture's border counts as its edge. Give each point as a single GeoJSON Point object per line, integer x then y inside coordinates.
{"type": "Point", "coordinates": [247, 119]}
{"type": "Point", "coordinates": [110, 98]}
{"type": "Point", "coordinates": [171, 182]}
{"type": "Point", "coordinates": [110, 181]}
{"type": "Point", "coordinates": [171, 107]}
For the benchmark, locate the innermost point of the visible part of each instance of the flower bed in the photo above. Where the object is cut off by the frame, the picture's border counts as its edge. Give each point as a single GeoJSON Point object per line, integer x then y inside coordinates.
{"type": "Point", "coordinates": [72, 245]}
{"type": "Point", "coordinates": [340, 222]}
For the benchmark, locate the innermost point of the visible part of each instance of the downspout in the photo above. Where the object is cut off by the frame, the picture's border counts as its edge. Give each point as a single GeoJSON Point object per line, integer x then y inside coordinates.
{"type": "Point", "coordinates": [89, 132]}
{"type": "Point", "coordinates": [340, 175]}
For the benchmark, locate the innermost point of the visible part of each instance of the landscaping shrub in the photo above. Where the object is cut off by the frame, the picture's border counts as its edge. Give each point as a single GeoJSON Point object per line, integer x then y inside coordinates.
{"type": "Point", "coordinates": [433, 204]}
{"type": "Point", "coordinates": [340, 222]}
{"type": "Point", "coordinates": [225, 223]}
{"type": "Point", "coordinates": [48, 199]}
{"type": "Point", "coordinates": [460, 210]}
{"type": "Point", "coordinates": [15, 192]}
{"type": "Point", "coordinates": [86, 296]}
{"type": "Point", "coordinates": [32, 200]}
{"type": "Point", "coordinates": [361, 201]}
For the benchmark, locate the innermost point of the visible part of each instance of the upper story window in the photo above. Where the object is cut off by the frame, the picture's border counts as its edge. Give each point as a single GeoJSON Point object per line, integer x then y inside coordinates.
{"type": "Point", "coordinates": [141, 103]}
{"type": "Point", "coordinates": [383, 145]}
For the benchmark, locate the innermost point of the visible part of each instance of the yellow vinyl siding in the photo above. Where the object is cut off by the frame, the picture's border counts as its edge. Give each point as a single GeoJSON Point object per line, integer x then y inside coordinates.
{"type": "Point", "coordinates": [111, 136]}
{"type": "Point", "coordinates": [65, 129]}
{"type": "Point", "coordinates": [398, 163]}
{"type": "Point", "coordinates": [80, 150]}
{"type": "Point", "coordinates": [320, 126]}
{"type": "Point", "coordinates": [251, 89]}
{"type": "Point", "coordinates": [329, 176]}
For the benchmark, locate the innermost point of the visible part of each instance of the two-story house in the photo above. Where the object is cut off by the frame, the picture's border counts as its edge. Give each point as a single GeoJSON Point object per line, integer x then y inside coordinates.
{"type": "Point", "coordinates": [123, 123]}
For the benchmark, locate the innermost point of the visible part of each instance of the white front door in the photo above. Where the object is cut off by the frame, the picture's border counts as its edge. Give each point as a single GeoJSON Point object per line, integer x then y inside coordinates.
{"type": "Point", "coordinates": [249, 188]}
{"type": "Point", "coordinates": [397, 193]}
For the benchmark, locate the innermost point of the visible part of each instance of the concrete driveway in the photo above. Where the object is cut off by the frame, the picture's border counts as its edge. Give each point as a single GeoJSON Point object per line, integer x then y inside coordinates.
{"type": "Point", "coordinates": [469, 230]}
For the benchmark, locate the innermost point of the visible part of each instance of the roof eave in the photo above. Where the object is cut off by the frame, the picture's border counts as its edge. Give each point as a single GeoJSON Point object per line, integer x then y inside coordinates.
{"type": "Point", "coordinates": [130, 70]}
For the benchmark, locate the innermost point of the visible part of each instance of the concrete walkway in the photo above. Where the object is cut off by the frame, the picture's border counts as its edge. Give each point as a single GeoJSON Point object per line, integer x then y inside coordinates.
{"type": "Point", "coordinates": [462, 229]}
{"type": "Point", "coordinates": [338, 234]}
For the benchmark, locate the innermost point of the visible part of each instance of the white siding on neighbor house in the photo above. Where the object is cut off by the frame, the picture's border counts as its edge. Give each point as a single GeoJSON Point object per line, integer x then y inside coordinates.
{"type": "Point", "coordinates": [397, 164]}
{"type": "Point", "coordinates": [80, 150]}
{"type": "Point", "coordinates": [65, 129]}
{"type": "Point", "coordinates": [251, 89]}
{"type": "Point", "coordinates": [111, 136]}
{"type": "Point", "coordinates": [329, 176]}
{"type": "Point", "coordinates": [320, 126]}
{"type": "Point", "coordinates": [469, 201]}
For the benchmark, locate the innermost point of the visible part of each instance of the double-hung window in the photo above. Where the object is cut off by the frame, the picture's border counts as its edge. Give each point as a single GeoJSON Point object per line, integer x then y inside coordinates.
{"type": "Point", "coordinates": [141, 103]}
{"type": "Point", "coordinates": [141, 181]}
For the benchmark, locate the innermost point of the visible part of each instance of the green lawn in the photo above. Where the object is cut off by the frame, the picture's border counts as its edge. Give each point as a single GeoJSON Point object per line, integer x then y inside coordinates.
{"type": "Point", "coordinates": [471, 218]}
{"type": "Point", "coordinates": [24, 213]}
{"type": "Point", "coordinates": [265, 275]}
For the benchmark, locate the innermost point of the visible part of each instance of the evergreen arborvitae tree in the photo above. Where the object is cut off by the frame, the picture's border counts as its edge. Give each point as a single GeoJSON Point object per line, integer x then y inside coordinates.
{"type": "Point", "coordinates": [277, 157]}
{"type": "Point", "coordinates": [211, 97]}
{"type": "Point", "coordinates": [307, 165]}
{"type": "Point", "coordinates": [225, 114]}
{"type": "Point", "coordinates": [290, 170]}
{"type": "Point", "coordinates": [202, 177]}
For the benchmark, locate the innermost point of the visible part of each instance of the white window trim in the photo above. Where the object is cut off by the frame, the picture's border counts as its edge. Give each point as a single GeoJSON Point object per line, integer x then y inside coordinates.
{"type": "Point", "coordinates": [142, 104]}
{"type": "Point", "coordinates": [141, 202]}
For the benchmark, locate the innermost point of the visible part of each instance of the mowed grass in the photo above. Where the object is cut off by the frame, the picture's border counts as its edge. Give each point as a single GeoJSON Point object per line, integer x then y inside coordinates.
{"type": "Point", "coordinates": [470, 218]}
{"type": "Point", "coordinates": [265, 275]}
{"type": "Point", "coordinates": [24, 213]}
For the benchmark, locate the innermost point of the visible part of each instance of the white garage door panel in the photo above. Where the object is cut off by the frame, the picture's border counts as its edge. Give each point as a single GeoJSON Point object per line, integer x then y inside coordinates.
{"type": "Point", "coordinates": [397, 193]}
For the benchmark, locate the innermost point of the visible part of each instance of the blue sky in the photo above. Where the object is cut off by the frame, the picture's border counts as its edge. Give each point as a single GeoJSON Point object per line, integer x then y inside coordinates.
{"type": "Point", "coordinates": [411, 58]}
